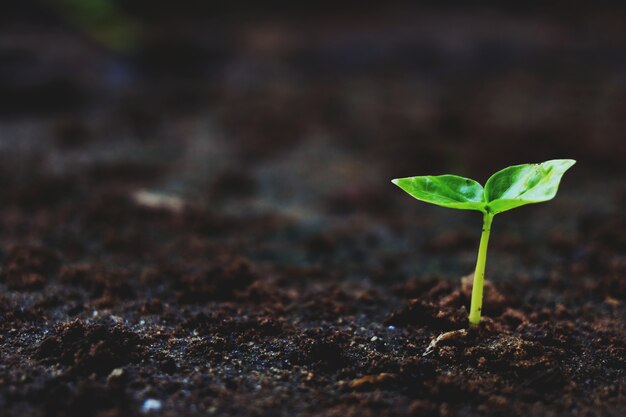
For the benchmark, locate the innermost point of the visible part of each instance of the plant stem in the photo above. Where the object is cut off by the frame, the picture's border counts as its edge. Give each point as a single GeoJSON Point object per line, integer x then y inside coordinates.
{"type": "Point", "coordinates": [479, 274]}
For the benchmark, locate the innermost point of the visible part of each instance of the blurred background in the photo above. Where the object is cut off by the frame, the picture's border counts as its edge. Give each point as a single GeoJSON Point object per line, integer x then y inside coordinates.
{"type": "Point", "coordinates": [436, 87]}
{"type": "Point", "coordinates": [304, 110]}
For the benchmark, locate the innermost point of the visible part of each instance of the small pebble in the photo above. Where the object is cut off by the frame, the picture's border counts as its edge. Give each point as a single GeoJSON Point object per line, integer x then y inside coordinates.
{"type": "Point", "coordinates": [151, 405]}
{"type": "Point", "coordinates": [374, 338]}
{"type": "Point", "coordinates": [115, 375]}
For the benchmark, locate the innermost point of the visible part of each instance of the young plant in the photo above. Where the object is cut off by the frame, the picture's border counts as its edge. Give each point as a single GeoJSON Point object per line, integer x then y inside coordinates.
{"type": "Point", "coordinates": [505, 190]}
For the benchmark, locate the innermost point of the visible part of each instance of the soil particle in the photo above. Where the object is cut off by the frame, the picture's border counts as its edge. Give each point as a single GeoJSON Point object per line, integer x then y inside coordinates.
{"type": "Point", "coordinates": [321, 351]}
{"type": "Point", "coordinates": [494, 302]}
{"type": "Point", "coordinates": [90, 348]}
{"type": "Point", "coordinates": [105, 286]}
{"type": "Point", "coordinates": [422, 313]}
{"type": "Point", "coordinates": [88, 398]}
{"type": "Point", "coordinates": [326, 305]}
{"type": "Point", "coordinates": [371, 381]}
{"type": "Point", "coordinates": [453, 389]}
{"type": "Point", "coordinates": [219, 282]}
{"type": "Point", "coordinates": [415, 287]}
{"type": "Point", "coordinates": [28, 268]}
{"type": "Point", "coordinates": [514, 317]}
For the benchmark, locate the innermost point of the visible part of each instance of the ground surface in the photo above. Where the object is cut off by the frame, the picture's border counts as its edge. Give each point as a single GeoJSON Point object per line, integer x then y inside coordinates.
{"type": "Point", "coordinates": [235, 248]}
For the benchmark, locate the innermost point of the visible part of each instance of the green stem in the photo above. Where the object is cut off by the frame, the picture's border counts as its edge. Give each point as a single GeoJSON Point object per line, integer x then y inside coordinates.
{"type": "Point", "coordinates": [479, 274]}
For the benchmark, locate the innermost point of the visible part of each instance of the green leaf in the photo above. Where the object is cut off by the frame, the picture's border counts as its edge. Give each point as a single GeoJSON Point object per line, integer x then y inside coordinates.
{"type": "Point", "coordinates": [524, 184]}
{"type": "Point", "coordinates": [444, 190]}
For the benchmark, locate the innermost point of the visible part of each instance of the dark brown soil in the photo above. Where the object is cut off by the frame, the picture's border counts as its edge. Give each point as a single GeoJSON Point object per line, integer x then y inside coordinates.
{"type": "Point", "coordinates": [246, 255]}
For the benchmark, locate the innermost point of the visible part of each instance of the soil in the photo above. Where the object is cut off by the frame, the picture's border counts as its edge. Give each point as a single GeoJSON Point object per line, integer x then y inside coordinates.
{"type": "Point", "coordinates": [245, 254]}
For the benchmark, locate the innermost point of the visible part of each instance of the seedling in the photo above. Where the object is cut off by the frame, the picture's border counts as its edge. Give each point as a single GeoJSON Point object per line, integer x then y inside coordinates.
{"type": "Point", "coordinates": [505, 190]}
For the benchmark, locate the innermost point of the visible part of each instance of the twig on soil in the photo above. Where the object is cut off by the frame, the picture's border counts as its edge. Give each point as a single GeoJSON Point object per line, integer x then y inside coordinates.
{"type": "Point", "coordinates": [454, 334]}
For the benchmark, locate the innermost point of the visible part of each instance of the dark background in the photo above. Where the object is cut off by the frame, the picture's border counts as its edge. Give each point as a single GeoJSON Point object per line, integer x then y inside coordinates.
{"type": "Point", "coordinates": [309, 111]}
{"type": "Point", "coordinates": [412, 89]}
